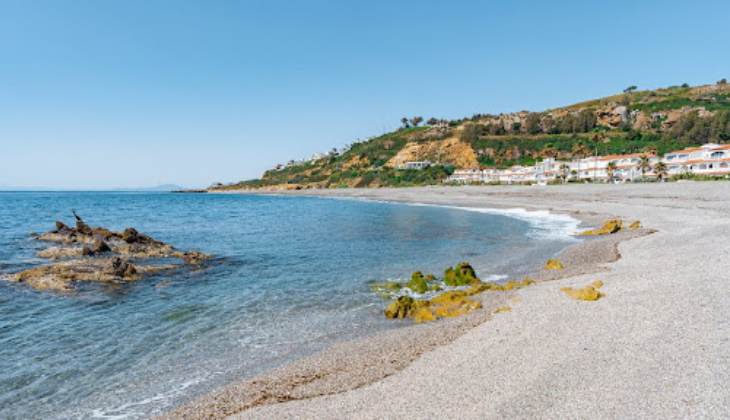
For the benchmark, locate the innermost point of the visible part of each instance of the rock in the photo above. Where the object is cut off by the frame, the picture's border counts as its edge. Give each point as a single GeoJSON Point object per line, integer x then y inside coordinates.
{"type": "Point", "coordinates": [130, 235]}
{"type": "Point", "coordinates": [503, 309]}
{"type": "Point", "coordinates": [609, 227]}
{"type": "Point", "coordinates": [635, 225]}
{"type": "Point", "coordinates": [145, 250]}
{"type": "Point", "coordinates": [597, 284]}
{"type": "Point", "coordinates": [119, 268]}
{"type": "Point", "coordinates": [404, 307]}
{"type": "Point", "coordinates": [385, 290]}
{"type": "Point", "coordinates": [553, 265]}
{"type": "Point", "coordinates": [59, 275]}
{"type": "Point", "coordinates": [463, 274]}
{"type": "Point", "coordinates": [424, 315]}
{"type": "Point", "coordinates": [586, 293]}
{"type": "Point", "coordinates": [32, 234]}
{"type": "Point", "coordinates": [516, 300]}
{"type": "Point", "coordinates": [455, 307]}
{"type": "Point", "coordinates": [56, 253]}
{"type": "Point", "coordinates": [98, 247]}
{"type": "Point", "coordinates": [511, 285]}
{"type": "Point", "coordinates": [82, 228]}
{"type": "Point", "coordinates": [418, 283]}
{"type": "Point", "coordinates": [192, 257]}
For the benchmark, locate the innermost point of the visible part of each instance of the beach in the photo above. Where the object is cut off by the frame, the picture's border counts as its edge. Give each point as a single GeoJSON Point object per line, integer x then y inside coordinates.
{"type": "Point", "coordinates": [655, 347]}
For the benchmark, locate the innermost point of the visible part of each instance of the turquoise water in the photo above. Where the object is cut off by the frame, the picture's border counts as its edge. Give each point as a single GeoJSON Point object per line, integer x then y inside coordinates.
{"type": "Point", "coordinates": [289, 276]}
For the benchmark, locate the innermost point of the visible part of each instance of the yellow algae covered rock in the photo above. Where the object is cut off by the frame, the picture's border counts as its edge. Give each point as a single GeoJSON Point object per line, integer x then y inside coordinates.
{"type": "Point", "coordinates": [609, 227]}
{"type": "Point", "coordinates": [597, 284]}
{"type": "Point", "coordinates": [424, 315]}
{"type": "Point", "coordinates": [404, 307]}
{"type": "Point", "coordinates": [553, 265]}
{"type": "Point", "coordinates": [463, 274]}
{"type": "Point", "coordinates": [453, 303]}
{"type": "Point", "coordinates": [586, 293]}
{"type": "Point", "coordinates": [510, 285]}
{"type": "Point", "coordinates": [418, 283]}
{"type": "Point", "coordinates": [503, 309]}
{"type": "Point", "coordinates": [527, 282]}
{"type": "Point", "coordinates": [516, 300]}
{"type": "Point", "coordinates": [635, 225]}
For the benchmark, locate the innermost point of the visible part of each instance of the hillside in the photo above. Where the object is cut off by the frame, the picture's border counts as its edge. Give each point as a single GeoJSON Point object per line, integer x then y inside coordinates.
{"type": "Point", "coordinates": [658, 121]}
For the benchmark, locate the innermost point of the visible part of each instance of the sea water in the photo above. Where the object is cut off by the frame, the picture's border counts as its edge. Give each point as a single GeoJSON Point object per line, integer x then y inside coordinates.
{"type": "Point", "coordinates": [289, 276]}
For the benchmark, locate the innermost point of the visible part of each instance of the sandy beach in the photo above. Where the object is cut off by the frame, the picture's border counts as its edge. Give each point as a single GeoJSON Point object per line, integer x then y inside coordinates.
{"type": "Point", "coordinates": [657, 346]}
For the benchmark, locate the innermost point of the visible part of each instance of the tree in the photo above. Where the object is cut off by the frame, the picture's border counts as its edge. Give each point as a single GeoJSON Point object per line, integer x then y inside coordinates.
{"type": "Point", "coordinates": [611, 170]}
{"type": "Point", "coordinates": [404, 121]}
{"type": "Point", "coordinates": [643, 165]}
{"type": "Point", "coordinates": [564, 171]}
{"type": "Point", "coordinates": [630, 89]}
{"type": "Point", "coordinates": [597, 138]}
{"type": "Point", "coordinates": [432, 121]}
{"type": "Point", "coordinates": [661, 171]}
{"type": "Point", "coordinates": [685, 85]}
{"type": "Point", "coordinates": [416, 120]}
{"type": "Point", "coordinates": [651, 149]}
{"type": "Point", "coordinates": [585, 122]}
{"type": "Point", "coordinates": [532, 124]}
{"type": "Point", "coordinates": [470, 133]}
{"type": "Point", "coordinates": [722, 81]}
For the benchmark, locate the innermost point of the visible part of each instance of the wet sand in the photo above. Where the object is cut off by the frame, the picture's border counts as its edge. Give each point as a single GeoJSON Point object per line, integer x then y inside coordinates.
{"type": "Point", "coordinates": [657, 346]}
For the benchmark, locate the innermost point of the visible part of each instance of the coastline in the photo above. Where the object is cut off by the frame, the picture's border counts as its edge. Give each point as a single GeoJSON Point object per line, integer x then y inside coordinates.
{"type": "Point", "coordinates": [361, 362]}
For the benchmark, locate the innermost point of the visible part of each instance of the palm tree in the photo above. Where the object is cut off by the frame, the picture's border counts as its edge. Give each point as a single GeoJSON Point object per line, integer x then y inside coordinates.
{"type": "Point", "coordinates": [661, 170]}
{"type": "Point", "coordinates": [643, 165]}
{"type": "Point", "coordinates": [611, 169]}
{"type": "Point", "coordinates": [597, 138]}
{"type": "Point", "coordinates": [564, 172]}
{"type": "Point", "coordinates": [404, 120]}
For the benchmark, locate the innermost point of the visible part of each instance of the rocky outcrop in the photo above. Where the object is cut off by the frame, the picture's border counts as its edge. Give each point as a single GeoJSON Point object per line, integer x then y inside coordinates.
{"type": "Point", "coordinates": [418, 283]}
{"type": "Point", "coordinates": [447, 304]}
{"type": "Point", "coordinates": [192, 257]}
{"type": "Point", "coordinates": [404, 307]}
{"type": "Point", "coordinates": [84, 248]}
{"type": "Point", "coordinates": [463, 274]}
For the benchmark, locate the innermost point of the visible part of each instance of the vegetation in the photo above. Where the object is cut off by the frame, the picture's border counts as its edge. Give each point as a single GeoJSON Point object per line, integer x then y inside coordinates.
{"type": "Point", "coordinates": [653, 122]}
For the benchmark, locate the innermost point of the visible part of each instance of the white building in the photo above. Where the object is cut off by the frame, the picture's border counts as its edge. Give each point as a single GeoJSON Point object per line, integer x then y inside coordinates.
{"type": "Point", "coordinates": [709, 159]}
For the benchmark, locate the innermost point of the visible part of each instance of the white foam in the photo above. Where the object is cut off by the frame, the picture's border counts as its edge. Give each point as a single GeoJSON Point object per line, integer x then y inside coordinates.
{"type": "Point", "coordinates": [545, 225]}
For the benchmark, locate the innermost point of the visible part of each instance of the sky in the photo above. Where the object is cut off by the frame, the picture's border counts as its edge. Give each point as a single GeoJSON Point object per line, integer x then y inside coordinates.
{"type": "Point", "coordinates": [108, 94]}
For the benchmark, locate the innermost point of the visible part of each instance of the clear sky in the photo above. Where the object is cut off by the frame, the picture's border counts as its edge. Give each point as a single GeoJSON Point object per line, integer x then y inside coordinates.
{"type": "Point", "coordinates": [103, 94]}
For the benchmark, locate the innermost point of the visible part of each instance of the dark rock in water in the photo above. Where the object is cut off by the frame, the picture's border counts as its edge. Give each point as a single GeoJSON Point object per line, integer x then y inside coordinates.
{"type": "Point", "coordinates": [60, 226]}
{"type": "Point", "coordinates": [192, 257]}
{"type": "Point", "coordinates": [130, 235]}
{"type": "Point", "coordinates": [120, 268]}
{"type": "Point", "coordinates": [98, 247]}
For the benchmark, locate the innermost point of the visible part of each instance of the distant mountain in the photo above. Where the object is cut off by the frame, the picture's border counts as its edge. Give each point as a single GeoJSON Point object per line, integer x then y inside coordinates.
{"type": "Point", "coordinates": [158, 188]}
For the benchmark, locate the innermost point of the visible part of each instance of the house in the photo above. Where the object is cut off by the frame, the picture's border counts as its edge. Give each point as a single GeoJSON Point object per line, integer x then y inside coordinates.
{"type": "Point", "coordinates": [417, 165]}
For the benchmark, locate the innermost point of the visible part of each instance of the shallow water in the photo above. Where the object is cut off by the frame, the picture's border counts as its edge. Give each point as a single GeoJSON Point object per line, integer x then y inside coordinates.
{"type": "Point", "coordinates": [290, 276]}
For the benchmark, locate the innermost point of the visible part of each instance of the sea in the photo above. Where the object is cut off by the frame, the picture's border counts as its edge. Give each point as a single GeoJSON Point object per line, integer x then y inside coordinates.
{"type": "Point", "coordinates": [289, 277]}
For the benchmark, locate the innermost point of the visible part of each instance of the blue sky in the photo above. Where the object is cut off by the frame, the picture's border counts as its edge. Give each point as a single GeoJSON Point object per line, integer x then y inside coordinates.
{"type": "Point", "coordinates": [103, 94]}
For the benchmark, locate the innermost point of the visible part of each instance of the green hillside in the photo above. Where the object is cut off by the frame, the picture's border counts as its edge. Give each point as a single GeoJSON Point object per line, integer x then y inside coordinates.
{"type": "Point", "coordinates": [655, 121]}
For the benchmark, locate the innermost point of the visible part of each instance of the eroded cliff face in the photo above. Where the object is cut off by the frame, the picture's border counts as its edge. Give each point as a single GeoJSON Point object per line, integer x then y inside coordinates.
{"type": "Point", "coordinates": [447, 151]}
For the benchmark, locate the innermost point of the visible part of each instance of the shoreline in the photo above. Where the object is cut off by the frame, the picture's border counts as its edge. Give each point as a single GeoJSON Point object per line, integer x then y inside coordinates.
{"type": "Point", "coordinates": [357, 363]}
